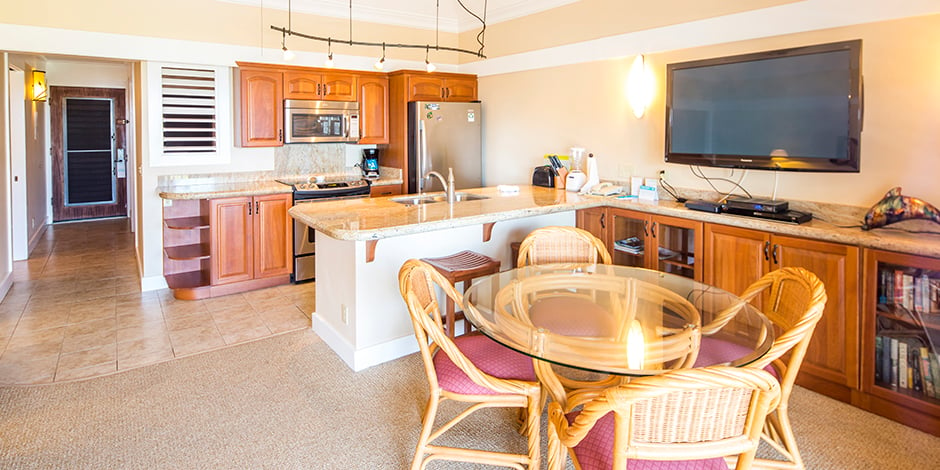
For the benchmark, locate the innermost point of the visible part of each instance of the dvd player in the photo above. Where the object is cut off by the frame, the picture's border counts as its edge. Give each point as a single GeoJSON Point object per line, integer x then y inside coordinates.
{"type": "Point", "coordinates": [758, 205]}
{"type": "Point", "coordinates": [793, 217]}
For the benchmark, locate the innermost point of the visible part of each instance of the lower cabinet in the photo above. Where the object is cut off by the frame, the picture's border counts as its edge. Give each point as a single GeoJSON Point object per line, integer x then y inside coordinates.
{"type": "Point", "coordinates": [221, 246]}
{"type": "Point", "coordinates": [736, 257]}
{"type": "Point", "coordinates": [663, 243]}
{"type": "Point", "coordinates": [251, 238]}
{"type": "Point", "coordinates": [385, 190]}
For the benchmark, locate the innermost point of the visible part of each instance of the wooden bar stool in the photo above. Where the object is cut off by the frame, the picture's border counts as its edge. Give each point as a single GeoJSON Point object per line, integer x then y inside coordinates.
{"type": "Point", "coordinates": [461, 267]}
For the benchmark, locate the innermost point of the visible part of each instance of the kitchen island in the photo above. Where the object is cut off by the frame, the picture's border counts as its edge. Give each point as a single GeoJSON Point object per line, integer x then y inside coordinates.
{"type": "Point", "coordinates": [362, 243]}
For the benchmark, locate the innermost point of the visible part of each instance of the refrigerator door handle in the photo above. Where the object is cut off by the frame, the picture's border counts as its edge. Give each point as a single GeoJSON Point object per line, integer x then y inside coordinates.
{"type": "Point", "coordinates": [422, 156]}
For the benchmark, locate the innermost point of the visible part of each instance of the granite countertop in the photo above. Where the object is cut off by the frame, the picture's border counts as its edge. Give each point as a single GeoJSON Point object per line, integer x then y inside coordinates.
{"type": "Point", "coordinates": [223, 189]}
{"type": "Point", "coordinates": [376, 218]}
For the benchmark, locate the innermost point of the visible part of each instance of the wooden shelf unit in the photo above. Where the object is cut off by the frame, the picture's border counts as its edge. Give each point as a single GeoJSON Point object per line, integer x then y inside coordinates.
{"type": "Point", "coordinates": [186, 247]}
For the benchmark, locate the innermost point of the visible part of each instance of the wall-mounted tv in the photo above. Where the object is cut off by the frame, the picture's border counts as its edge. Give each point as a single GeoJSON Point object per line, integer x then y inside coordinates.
{"type": "Point", "coordinates": [796, 109]}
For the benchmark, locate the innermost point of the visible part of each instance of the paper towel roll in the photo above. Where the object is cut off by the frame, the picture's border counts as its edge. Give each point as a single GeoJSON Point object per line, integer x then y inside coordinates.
{"type": "Point", "coordinates": [593, 179]}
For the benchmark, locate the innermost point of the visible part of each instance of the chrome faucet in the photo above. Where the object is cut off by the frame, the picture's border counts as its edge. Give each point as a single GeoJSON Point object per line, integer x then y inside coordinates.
{"type": "Point", "coordinates": [448, 185]}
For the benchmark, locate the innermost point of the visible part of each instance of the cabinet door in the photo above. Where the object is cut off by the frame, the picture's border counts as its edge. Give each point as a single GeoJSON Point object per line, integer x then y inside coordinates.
{"type": "Point", "coordinates": [679, 246]}
{"type": "Point", "coordinates": [629, 237]}
{"type": "Point", "coordinates": [736, 257]}
{"type": "Point", "coordinates": [339, 87]}
{"type": "Point", "coordinates": [460, 89]}
{"type": "Point", "coordinates": [902, 306]}
{"type": "Point", "coordinates": [594, 220]}
{"type": "Point", "coordinates": [425, 88]}
{"type": "Point", "coordinates": [373, 110]}
{"type": "Point", "coordinates": [262, 108]}
{"type": "Point", "coordinates": [231, 246]}
{"type": "Point", "coordinates": [385, 190]}
{"type": "Point", "coordinates": [273, 248]}
{"type": "Point", "coordinates": [301, 85]}
{"type": "Point", "coordinates": [833, 351]}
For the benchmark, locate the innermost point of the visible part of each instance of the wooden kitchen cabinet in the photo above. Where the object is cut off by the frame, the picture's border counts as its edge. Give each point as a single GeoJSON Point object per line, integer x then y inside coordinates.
{"type": "Point", "coordinates": [594, 220]}
{"type": "Point", "coordinates": [736, 257]}
{"type": "Point", "coordinates": [663, 243]}
{"type": "Point", "coordinates": [261, 107]}
{"type": "Point", "coordinates": [901, 312]}
{"type": "Point", "coordinates": [186, 247]}
{"type": "Point", "coordinates": [251, 238]}
{"type": "Point", "coordinates": [316, 85]}
{"type": "Point", "coordinates": [373, 109]}
{"type": "Point", "coordinates": [385, 190]}
{"type": "Point", "coordinates": [441, 87]}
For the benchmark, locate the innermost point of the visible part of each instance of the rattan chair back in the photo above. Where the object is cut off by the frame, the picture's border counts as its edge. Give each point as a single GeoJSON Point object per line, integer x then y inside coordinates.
{"type": "Point", "coordinates": [559, 244]}
{"type": "Point", "coordinates": [686, 414]}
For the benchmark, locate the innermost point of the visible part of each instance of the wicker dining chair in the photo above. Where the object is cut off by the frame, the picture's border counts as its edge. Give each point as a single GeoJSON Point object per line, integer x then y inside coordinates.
{"type": "Point", "coordinates": [558, 244]}
{"type": "Point", "coordinates": [471, 369]}
{"type": "Point", "coordinates": [684, 419]}
{"type": "Point", "coordinates": [793, 299]}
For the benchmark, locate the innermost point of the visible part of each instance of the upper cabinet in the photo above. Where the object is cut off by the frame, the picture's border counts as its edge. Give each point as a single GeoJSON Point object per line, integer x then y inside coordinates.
{"type": "Point", "coordinates": [373, 109]}
{"type": "Point", "coordinates": [441, 87]}
{"type": "Point", "coordinates": [310, 85]}
{"type": "Point", "coordinates": [261, 107]}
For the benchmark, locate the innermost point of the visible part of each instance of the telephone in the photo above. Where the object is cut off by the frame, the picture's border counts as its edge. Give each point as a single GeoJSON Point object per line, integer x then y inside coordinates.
{"type": "Point", "coordinates": [605, 189]}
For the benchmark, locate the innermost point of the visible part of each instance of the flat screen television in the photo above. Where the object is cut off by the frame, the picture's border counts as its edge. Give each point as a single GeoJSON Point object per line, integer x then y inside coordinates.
{"type": "Point", "coordinates": [796, 109]}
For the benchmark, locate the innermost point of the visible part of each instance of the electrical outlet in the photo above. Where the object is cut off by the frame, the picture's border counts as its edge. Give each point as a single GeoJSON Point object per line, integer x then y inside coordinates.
{"type": "Point", "coordinates": [662, 174]}
{"type": "Point", "coordinates": [344, 314]}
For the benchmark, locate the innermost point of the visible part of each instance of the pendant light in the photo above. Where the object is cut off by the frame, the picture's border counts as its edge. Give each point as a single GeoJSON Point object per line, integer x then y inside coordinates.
{"type": "Point", "coordinates": [380, 64]}
{"type": "Point", "coordinates": [288, 54]}
{"type": "Point", "coordinates": [329, 58]}
{"type": "Point", "coordinates": [427, 63]}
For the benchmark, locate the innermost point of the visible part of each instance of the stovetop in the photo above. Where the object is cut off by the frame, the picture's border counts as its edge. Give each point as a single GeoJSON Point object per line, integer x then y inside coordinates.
{"type": "Point", "coordinates": [311, 185]}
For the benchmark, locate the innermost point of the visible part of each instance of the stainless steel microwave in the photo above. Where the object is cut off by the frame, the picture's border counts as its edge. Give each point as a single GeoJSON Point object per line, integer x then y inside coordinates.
{"type": "Point", "coordinates": [310, 121]}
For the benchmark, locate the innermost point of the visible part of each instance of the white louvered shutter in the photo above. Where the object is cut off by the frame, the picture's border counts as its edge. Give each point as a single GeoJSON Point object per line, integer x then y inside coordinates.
{"type": "Point", "coordinates": [189, 110]}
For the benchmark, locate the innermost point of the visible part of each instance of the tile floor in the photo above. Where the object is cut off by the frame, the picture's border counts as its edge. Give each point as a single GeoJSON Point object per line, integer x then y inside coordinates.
{"type": "Point", "coordinates": [75, 310]}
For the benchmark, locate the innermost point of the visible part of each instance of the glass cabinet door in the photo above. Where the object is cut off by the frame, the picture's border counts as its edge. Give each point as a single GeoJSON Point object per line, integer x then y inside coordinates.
{"type": "Point", "coordinates": [629, 238]}
{"type": "Point", "coordinates": [907, 330]}
{"type": "Point", "coordinates": [679, 242]}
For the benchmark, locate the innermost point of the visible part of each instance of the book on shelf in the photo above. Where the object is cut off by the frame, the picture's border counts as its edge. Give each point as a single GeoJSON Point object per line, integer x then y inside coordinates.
{"type": "Point", "coordinates": [902, 364]}
{"type": "Point", "coordinates": [632, 245]}
{"type": "Point", "coordinates": [906, 361]}
{"type": "Point", "coordinates": [926, 373]}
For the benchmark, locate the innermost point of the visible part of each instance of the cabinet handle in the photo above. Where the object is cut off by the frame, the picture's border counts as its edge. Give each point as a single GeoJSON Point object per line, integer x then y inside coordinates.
{"type": "Point", "coordinates": [257, 207]}
{"type": "Point", "coordinates": [442, 93]}
{"type": "Point", "coordinates": [318, 89]}
{"type": "Point", "coordinates": [646, 228]}
{"type": "Point", "coordinates": [654, 229]}
{"type": "Point", "coordinates": [767, 251]}
{"type": "Point", "coordinates": [776, 261]}
{"type": "Point", "coordinates": [249, 209]}
{"type": "Point", "coordinates": [448, 92]}
{"type": "Point", "coordinates": [603, 222]}
{"type": "Point", "coordinates": [280, 135]}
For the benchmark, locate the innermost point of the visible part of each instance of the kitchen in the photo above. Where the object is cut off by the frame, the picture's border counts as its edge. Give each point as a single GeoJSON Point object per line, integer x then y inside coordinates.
{"type": "Point", "coordinates": [535, 105]}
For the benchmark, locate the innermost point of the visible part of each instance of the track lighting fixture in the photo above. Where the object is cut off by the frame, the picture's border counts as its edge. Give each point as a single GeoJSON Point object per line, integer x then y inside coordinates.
{"type": "Point", "coordinates": [288, 54]}
{"type": "Point", "coordinates": [427, 63]}
{"type": "Point", "coordinates": [380, 64]}
{"type": "Point", "coordinates": [329, 58]}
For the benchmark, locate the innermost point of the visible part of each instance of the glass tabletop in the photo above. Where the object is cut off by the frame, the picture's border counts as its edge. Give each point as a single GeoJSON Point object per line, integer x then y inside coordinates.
{"type": "Point", "coordinates": [616, 319]}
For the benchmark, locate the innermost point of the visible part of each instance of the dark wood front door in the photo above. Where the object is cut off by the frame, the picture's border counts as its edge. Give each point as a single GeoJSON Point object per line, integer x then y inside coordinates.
{"type": "Point", "coordinates": [88, 153]}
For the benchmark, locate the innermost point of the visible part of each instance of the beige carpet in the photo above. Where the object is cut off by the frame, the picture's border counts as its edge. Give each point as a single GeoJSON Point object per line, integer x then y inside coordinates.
{"type": "Point", "coordinates": [288, 402]}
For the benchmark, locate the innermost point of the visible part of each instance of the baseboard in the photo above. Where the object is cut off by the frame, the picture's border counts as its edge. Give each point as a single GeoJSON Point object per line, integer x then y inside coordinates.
{"type": "Point", "coordinates": [5, 285]}
{"type": "Point", "coordinates": [361, 359]}
{"type": "Point", "coordinates": [152, 283]}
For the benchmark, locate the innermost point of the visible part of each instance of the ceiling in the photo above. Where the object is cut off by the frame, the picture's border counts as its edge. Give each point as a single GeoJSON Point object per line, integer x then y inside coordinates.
{"type": "Point", "coordinates": [423, 14]}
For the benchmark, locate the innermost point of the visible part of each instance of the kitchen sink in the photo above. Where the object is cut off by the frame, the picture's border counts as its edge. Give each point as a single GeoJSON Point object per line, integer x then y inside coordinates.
{"type": "Point", "coordinates": [417, 199]}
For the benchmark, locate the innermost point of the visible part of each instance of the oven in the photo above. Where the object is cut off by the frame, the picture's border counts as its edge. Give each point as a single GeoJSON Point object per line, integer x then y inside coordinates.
{"type": "Point", "coordinates": [305, 191]}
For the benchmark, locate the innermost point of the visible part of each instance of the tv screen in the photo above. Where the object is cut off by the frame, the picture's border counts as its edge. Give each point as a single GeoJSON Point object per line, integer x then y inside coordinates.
{"type": "Point", "coordinates": [793, 109]}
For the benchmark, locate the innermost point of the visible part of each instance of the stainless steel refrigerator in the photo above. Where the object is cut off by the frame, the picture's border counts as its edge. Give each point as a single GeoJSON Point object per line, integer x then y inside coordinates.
{"type": "Point", "coordinates": [441, 136]}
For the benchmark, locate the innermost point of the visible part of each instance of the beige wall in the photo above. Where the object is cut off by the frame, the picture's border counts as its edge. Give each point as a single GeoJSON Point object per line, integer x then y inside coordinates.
{"type": "Point", "coordinates": [528, 114]}
{"type": "Point", "coordinates": [592, 19]}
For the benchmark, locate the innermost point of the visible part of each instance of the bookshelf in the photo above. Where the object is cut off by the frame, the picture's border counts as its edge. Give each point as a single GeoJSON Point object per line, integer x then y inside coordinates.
{"type": "Point", "coordinates": [901, 338]}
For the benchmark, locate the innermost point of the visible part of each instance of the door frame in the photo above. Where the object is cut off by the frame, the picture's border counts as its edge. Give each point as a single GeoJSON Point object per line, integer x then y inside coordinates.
{"type": "Point", "coordinates": [19, 213]}
{"type": "Point", "coordinates": [58, 94]}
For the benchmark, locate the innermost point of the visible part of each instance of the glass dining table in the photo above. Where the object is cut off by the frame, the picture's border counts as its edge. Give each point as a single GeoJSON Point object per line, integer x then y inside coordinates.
{"type": "Point", "coordinates": [613, 320]}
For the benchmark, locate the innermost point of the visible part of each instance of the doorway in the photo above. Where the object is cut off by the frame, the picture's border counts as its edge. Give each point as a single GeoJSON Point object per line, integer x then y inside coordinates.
{"type": "Point", "coordinates": [88, 153]}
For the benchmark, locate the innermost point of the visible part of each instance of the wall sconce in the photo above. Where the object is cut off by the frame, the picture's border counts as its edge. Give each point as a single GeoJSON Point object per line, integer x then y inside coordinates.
{"type": "Point", "coordinates": [639, 86]}
{"type": "Point", "coordinates": [40, 90]}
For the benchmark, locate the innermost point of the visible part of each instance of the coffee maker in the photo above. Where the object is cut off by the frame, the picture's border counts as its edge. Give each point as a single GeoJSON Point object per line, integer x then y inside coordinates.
{"type": "Point", "coordinates": [370, 163]}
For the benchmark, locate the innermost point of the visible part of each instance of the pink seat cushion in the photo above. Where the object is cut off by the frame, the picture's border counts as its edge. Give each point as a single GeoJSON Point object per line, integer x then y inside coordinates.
{"type": "Point", "coordinates": [714, 351]}
{"type": "Point", "coordinates": [595, 452]}
{"type": "Point", "coordinates": [573, 316]}
{"type": "Point", "coordinates": [490, 357]}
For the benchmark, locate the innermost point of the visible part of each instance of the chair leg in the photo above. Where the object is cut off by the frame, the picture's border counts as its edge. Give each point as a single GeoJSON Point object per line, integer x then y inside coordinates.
{"type": "Point", "coordinates": [786, 434]}
{"type": "Point", "coordinates": [427, 425]}
{"type": "Point", "coordinates": [533, 427]}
